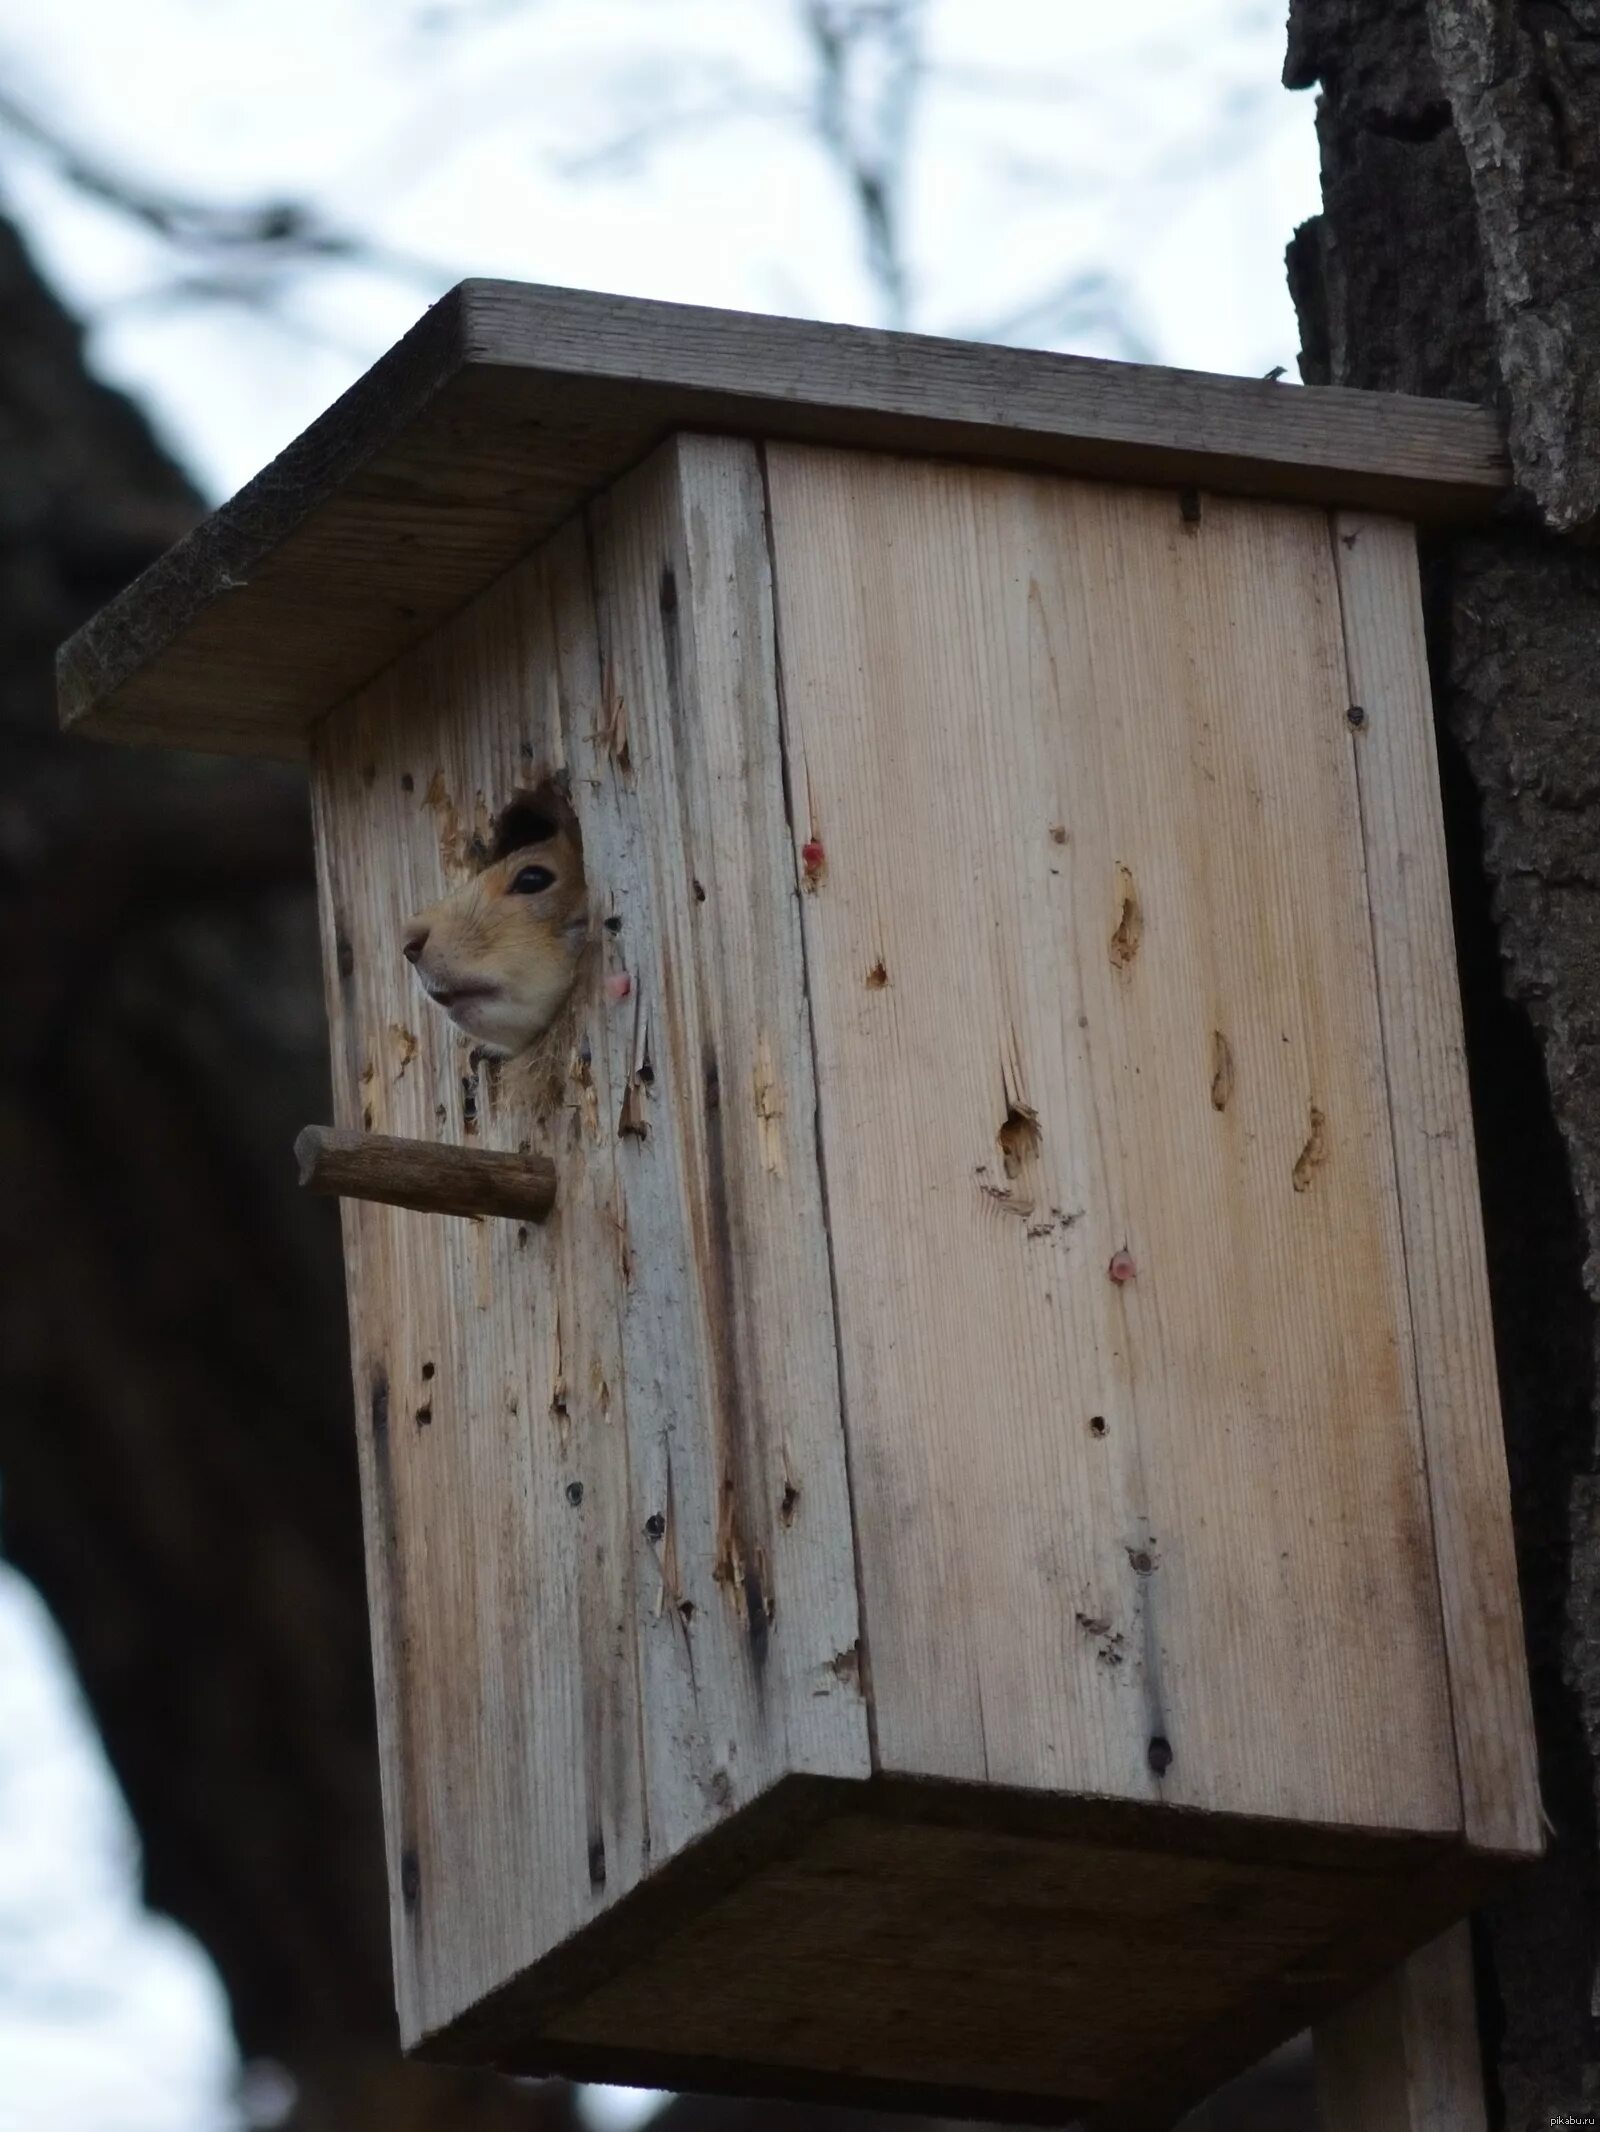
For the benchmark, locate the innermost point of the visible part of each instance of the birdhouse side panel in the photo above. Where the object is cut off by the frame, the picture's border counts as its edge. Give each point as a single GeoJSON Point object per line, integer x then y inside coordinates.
{"type": "Point", "coordinates": [1134, 1426]}
{"type": "Point", "coordinates": [609, 1541]}
{"type": "Point", "coordinates": [1425, 1055]}
{"type": "Point", "coordinates": [487, 1355]}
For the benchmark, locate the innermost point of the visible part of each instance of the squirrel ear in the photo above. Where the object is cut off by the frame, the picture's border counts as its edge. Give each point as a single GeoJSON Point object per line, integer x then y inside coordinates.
{"type": "Point", "coordinates": [522, 824]}
{"type": "Point", "coordinates": [534, 818]}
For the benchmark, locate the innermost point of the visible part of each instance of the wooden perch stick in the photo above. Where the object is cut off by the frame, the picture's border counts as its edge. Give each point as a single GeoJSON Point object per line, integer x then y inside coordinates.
{"type": "Point", "coordinates": [427, 1178]}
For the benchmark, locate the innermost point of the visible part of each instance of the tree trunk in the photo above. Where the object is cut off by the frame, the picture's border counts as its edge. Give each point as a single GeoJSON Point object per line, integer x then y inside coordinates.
{"type": "Point", "coordinates": [176, 1449]}
{"type": "Point", "coordinates": [1458, 253]}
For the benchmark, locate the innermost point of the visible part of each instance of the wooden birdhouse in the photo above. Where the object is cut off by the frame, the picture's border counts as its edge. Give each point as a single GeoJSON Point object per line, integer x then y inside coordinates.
{"type": "Point", "coordinates": [966, 1562]}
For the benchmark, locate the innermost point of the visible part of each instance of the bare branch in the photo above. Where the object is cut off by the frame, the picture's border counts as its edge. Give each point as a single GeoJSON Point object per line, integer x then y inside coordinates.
{"type": "Point", "coordinates": [247, 244]}
{"type": "Point", "coordinates": [871, 63]}
{"type": "Point", "coordinates": [267, 296]}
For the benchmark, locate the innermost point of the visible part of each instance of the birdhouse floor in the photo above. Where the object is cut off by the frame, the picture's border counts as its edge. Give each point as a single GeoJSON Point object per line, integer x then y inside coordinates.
{"type": "Point", "coordinates": [891, 1943]}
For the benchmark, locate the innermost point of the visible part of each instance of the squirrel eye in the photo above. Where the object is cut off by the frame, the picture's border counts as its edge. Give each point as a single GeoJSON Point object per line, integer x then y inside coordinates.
{"type": "Point", "coordinates": [533, 881]}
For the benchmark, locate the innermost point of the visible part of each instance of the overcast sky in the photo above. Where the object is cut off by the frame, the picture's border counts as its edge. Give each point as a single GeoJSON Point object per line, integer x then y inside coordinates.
{"type": "Point", "coordinates": [1143, 156]}
{"type": "Point", "coordinates": [1148, 143]}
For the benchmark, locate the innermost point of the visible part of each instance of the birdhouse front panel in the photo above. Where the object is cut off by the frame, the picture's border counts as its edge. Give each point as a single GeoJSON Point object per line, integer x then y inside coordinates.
{"type": "Point", "coordinates": [1128, 1363]}
{"type": "Point", "coordinates": [959, 1555]}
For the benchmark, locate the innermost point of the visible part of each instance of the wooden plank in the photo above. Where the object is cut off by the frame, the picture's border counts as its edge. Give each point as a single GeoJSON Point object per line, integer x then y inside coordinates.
{"type": "Point", "coordinates": [970, 1960]}
{"type": "Point", "coordinates": [504, 1553]}
{"type": "Point", "coordinates": [1436, 1168]}
{"type": "Point", "coordinates": [748, 1650]}
{"type": "Point", "coordinates": [508, 405]}
{"type": "Point", "coordinates": [224, 595]}
{"type": "Point", "coordinates": [1405, 2056]}
{"type": "Point", "coordinates": [870, 1944]}
{"type": "Point", "coordinates": [1141, 1508]}
{"type": "Point", "coordinates": [609, 1540]}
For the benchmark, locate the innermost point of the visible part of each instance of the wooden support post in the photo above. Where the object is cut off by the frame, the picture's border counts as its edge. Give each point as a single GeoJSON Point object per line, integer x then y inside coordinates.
{"type": "Point", "coordinates": [1405, 2056]}
{"type": "Point", "coordinates": [425, 1177]}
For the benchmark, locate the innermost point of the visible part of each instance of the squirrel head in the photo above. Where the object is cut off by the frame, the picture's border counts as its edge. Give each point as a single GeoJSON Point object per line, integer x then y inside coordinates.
{"type": "Point", "coordinates": [499, 954]}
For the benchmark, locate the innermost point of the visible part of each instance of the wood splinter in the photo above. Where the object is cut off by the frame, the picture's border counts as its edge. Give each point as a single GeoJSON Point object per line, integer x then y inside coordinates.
{"type": "Point", "coordinates": [424, 1177]}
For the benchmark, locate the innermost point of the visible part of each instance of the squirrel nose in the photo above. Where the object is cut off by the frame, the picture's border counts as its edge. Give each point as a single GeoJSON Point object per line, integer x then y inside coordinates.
{"type": "Point", "coordinates": [416, 940]}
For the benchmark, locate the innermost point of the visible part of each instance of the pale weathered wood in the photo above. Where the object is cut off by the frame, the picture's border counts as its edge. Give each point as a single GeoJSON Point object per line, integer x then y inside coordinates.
{"type": "Point", "coordinates": [1140, 1500]}
{"type": "Point", "coordinates": [1406, 2056]}
{"type": "Point", "coordinates": [611, 1568]}
{"type": "Point", "coordinates": [749, 1656]}
{"type": "Point", "coordinates": [508, 405]}
{"type": "Point", "coordinates": [423, 1176]}
{"type": "Point", "coordinates": [1436, 1169]}
{"type": "Point", "coordinates": [505, 1555]}
{"type": "Point", "coordinates": [982, 1066]}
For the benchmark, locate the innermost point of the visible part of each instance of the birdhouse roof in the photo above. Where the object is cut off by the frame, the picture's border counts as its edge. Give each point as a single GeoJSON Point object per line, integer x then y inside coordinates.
{"type": "Point", "coordinates": [508, 405]}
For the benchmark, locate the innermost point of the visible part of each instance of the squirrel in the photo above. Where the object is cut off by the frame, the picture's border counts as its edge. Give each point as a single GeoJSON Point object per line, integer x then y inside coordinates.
{"type": "Point", "coordinates": [500, 953]}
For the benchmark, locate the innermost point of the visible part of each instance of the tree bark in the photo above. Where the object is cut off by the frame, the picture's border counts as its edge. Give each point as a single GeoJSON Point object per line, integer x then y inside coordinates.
{"type": "Point", "coordinates": [1458, 253]}
{"type": "Point", "coordinates": [176, 1450]}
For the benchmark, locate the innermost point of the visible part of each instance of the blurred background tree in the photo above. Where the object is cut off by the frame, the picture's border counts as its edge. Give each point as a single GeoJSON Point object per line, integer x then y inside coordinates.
{"type": "Point", "coordinates": [1458, 253]}
{"type": "Point", "coordinates": [248, 204]}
